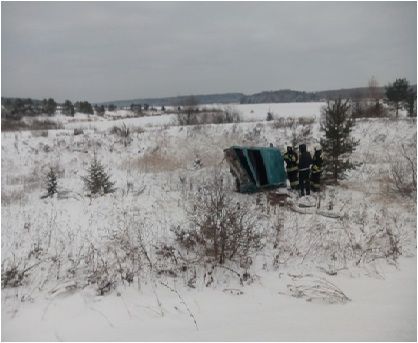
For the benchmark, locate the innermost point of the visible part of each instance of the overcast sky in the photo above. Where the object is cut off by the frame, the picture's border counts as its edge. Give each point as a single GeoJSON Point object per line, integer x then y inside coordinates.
{"type": "Point", "coordinates": [110, 51]}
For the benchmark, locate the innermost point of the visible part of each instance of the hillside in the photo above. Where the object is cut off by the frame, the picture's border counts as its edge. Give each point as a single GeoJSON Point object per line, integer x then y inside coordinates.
{"type": "Point", "coordinates": [284, 95]}
{"type": "Point", "coordinates": [278, 96]}
{"type": "Point", "coordinates": [225, 98]}
{"type": "Point", "coordinates": [128, 266]}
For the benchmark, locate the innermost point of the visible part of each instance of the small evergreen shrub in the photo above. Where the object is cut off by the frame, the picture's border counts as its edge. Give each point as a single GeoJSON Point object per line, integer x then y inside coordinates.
{"type": "Point", "coordinates": [51, 183]}
{"type": "Point", "coordinates": [97, 181]}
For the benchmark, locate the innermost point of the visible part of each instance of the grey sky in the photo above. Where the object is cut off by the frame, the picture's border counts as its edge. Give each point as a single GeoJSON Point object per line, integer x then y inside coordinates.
{"type": "Point", "coordinates": [109, 51]}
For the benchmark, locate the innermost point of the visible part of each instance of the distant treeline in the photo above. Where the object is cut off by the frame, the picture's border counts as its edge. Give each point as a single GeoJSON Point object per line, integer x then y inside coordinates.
{"type": "Point", "coordinates": [225, 98]}
{"type": "Point", "coordinates": [284, 95]}
{"type": "Point", "coordinates": [15, 108]}
{"type": "Point", "coordinates": [18, 107]}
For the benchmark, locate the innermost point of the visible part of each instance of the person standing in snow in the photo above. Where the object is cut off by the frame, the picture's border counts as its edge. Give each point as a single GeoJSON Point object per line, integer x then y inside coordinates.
{"type": "Point", "coordinates": [316, 170]}
{"type": "Point", "coordinates": [305, 161]}
{"type": "Point", "coordinates": [291, 159]}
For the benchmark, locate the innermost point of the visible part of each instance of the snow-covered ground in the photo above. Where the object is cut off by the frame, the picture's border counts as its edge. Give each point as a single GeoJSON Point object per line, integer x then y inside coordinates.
{"type": "Point", "coordinates": [293, 283]}
{"type": "Point", "coordinates": [248, 112]}
{"type": "Point", "coordinates": [381, 309]}
{"type": "Point", "coordinates": [252, 112]}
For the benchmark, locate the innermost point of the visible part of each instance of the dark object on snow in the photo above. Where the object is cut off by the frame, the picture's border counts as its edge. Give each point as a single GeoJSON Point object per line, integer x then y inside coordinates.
{"type": "Point", "coordinates": [305, 161]}
{"type": "Point", "coordinates": [278, 198]}
{"type": "Point", "coordinates": [316, 170]}
{"type": "Point", "coordinates": [291, 159]}
{"type": "Point", "coordinates": [256, 168]}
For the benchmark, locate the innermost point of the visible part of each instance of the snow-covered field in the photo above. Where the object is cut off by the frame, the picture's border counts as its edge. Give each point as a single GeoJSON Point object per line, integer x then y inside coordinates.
{"type": "Point", "coordinates": [248, 112]}
{"type": "Point", "coordinates": [252, 112]}
{"type": "Point", "coordinates": [316, 278]}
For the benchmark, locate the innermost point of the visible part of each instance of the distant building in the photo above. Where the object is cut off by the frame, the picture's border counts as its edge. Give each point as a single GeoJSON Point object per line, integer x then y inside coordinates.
{"type": "Point", "coordinates": [59, 109]}
{"type": "Point", "coordinates": [136, 107]}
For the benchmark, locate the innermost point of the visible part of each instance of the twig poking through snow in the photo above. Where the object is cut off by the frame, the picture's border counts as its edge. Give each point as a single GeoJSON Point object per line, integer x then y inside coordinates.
{"type": "Point", "coordinates": [182, 301]}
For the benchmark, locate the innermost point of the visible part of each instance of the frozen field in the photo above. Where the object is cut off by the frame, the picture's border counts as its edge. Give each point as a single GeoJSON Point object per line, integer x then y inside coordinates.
{"type": "Point", "coordinates": [348, 277]}
{"type": "Point", "coordinates": [248, 112]}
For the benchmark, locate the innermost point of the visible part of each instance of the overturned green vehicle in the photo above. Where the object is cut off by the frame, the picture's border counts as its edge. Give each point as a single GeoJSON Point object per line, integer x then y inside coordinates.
{"type": "Point", "coordinates": [256, 168]}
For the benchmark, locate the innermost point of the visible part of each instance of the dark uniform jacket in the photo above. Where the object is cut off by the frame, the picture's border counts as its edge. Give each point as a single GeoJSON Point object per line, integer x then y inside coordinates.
{"type": "Point", "coordinates": [291, 158]}
{"type": "Point", "coordinates": [317, 162]}
{"type": "Point", "coordinates": [305, 159]}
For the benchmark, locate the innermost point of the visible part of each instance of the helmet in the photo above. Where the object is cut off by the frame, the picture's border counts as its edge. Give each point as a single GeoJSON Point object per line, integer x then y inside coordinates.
{"type": "Point", "coordinates": [302, 147]}
{"type": "Point", "coordinates": [318, 149]}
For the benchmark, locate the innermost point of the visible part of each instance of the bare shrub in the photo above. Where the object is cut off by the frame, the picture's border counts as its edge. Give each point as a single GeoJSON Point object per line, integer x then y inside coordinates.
{"type": "Point", "coordinates": [139, 129]}
{"type": "Point", "coordinates": [78, 131]}
{"type": "Point", "coordinates": [317, 290]}
{"type": "Point", "coordinates": [283, 123]}
{"type": "Point", "coordinates": [13, 273]}
{"type": "Point", "coordinates": [120, 259]}
{"type": "Point", "coordinates": [188, 118]}
{"type": "Point", "coordinates": [187, 114]}
{"type": "Point", "coordinates": [13, 125]}
{"type": "Point", "coordinates": [209, 116]}
{"type": "Point", "coordinates": [22, 186]}
{"type": "Point", "coordinates": [254, 136]}
{"type": "Point", "coordinates": [33, 124]}
{"type": "Point", "coordinates": [380, 240]}
{"type": "Point", "coordinates": [123, 132]}
{"type": "Point", "coordinates": [12, 276]}
{"type": "Point", "coordinates": [306, 120]}
{"type": "Point", "coordinates": [301, 134]}
{"type": "Point", "coordinates": [222, 229]}
{"type": "Point", "coordinates": [232, 115]}
{"type": "Point", "coordinates": [289, 122]}
{"type": "Point", "coordinates": [75, 259]}
{"type": "Point", "coordinates": [355, 239]}
{"type": "Point", "coordinates": [188, 239]}
{"type": "Point", "coordinates": [402, 173]}
{"type": "Point", "coordinates": [376, 110]}
{"type": "Point", "coordinates": [13, 196]}
{"type": "Point", "coordinates": [327, 245]}
{"type": "Point", "coordinates": [41, 133]}
{"type": "Point", "coordinates": [153, 162]}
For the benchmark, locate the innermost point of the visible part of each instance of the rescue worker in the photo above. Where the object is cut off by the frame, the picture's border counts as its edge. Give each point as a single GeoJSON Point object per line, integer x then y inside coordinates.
{"type": "Point", "coordinates": [316, 170]}
{"type": "Point", "coordinates": [291, 159]}
{"type": "Point", "coordinates": [305, 161]}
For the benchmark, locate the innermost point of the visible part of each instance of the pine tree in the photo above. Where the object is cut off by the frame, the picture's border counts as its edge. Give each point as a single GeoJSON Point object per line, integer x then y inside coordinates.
{"type": "Point", "coordinates": [100, 110]}
{"type": "Point", "coordinates": [337, 145]}
{"type": "Point", "coordinates": [49, 106]}
{"type": "Point", "coordinates": [51, 183]}
{"type": "Point", "coordinates": [68, 108]}
{"type": "Point", "coordinates": [83, 107]}
{"type": "Point", "coordinates": [397, 92]}
{"type": "Point", "coordinates": [410, 102]}
{"type": "Point", "coordinates": [97, 181]}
